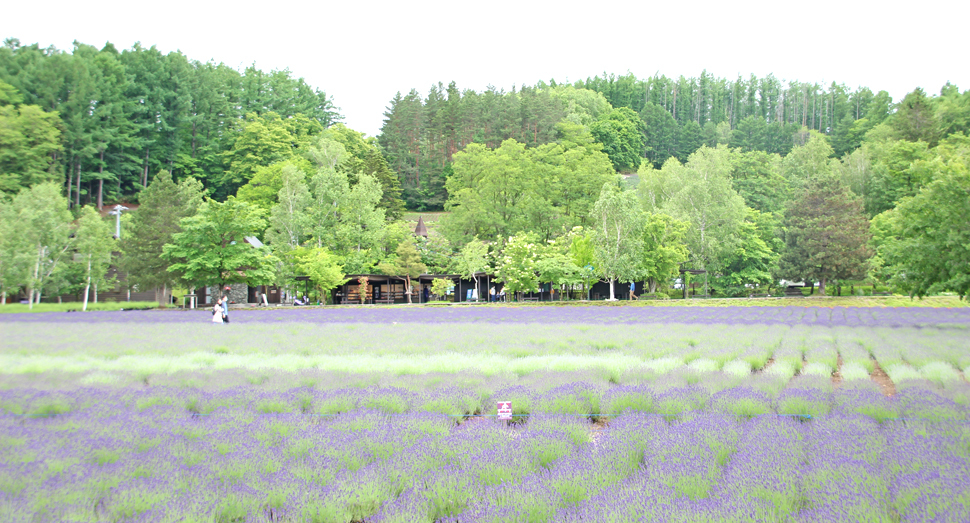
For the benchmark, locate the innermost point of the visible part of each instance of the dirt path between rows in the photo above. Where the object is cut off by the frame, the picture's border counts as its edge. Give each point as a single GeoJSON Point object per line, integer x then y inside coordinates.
{"type": "Point", "coordinates": [837, 375]}
{"type": "Point", "coordinates": [768, 363]}
{"type": "Point", "coordinates": [879, 376]}
{"type": "Point", "coordinates": [596, 430]}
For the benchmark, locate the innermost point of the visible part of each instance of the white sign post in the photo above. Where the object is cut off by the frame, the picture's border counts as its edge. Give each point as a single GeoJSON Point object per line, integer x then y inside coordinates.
{"type": "Point", "coordinates": [505, 410]}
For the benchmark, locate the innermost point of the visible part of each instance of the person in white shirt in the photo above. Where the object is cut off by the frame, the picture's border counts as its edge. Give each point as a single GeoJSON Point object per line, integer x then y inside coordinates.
{"type": "Point", "coordinates": [217, 312]}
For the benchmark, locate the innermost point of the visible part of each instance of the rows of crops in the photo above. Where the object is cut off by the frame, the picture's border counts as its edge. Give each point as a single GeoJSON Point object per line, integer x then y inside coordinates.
{"type": "Point", "coordinates": [395, 422]}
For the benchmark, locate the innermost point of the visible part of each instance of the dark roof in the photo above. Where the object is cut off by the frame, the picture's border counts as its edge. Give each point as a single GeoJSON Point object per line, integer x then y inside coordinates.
{"type": "Point", "coordinates": [421, 229]}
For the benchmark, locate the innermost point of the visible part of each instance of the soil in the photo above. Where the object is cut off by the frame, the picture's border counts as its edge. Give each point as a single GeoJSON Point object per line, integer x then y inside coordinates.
{"type": "Point", "coordinates": [882, 379]}
{"type": "Point", "coordinates": [768, 363]}
{"type": "Point", "coordinates": [596, 430]}
{"type": "Point", "coordinates": [837, 375]}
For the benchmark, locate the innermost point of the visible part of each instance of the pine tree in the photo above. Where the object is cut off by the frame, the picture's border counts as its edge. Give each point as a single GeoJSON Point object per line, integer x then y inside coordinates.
{"type": "Point", "coordinates": [826, 233]}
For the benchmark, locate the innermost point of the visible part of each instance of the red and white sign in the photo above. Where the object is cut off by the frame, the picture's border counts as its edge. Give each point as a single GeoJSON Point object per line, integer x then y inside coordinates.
{"type": "Point", "coordinates": [505, 410]}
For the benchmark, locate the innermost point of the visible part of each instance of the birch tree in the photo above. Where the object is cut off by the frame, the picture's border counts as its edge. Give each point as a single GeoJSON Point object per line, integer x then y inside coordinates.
{"type": "Point", "coordinates": [616, 237]}
{"type": "Point", "coordinates": [705, 199]}
{"type": "Point", "coordinates": [43, 223]}
{"type": "Point", "coordinates": [93, 249]}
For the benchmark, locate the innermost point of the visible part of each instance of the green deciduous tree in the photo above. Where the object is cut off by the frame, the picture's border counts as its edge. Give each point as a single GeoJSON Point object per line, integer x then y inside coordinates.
{"type": "Point", "coordinates": [582, 251]}
{"type": "Point", "coordinates": [621, 131]}
{"type": "Point", "coordinates": [701, 195]}
{"type": "Point", "coordinates": [264, 188]}
{"type": "Point", "coordinates": [43, 226]}
{"type": "Point", "coordinates": [289, 222]}
{"type": "Point", "coordinates": [13, 271]}
{"type": "Point", "coordinates": [556, 266]}
{"type": "Point", "coordinates": [662, 249]}
{"type": "Point", "coordinates": [517, 264]}
{"type": "Point", "coordinates": [546, 189]}
{"type": "Point", "coordinates": [915, 118]}
{"type": "Point", "coordinates": [924, 242]}
{"type": "Point", "coordinates": [29, 141]}
{"type": "Point", "coordinates": [93, 247]}
{"type": "Point", "coordinates": [616, 234]}
{"type": "Point", "coordinates": [322, 267]}
{"type": "Point", "coordinates": [265, 140]}
{"type": "Point", "coordinates": [751, 264]}
{"type": "Point", "coordinates": [472, 259]}
{"type": "Point", "coordinates": [406, 264]}
{"type": "Point", "coordinates": [757, 177]}
{"type": "Point", "coordinates": [806, 162]}
{"type": "Point", "coordinates": [211, 247]}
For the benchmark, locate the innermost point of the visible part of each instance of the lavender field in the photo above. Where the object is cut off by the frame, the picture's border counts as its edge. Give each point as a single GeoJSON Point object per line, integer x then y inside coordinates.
{"type": "Point", "coordinates": [387, 415]}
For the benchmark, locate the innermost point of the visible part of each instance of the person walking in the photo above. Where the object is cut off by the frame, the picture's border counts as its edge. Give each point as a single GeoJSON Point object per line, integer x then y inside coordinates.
{"type": "Point", "coordinates": [491, 294]}
{"type": "Point", "coordinates": [225, 309]}
{"type": "Point", "coordinates": [217, 312]}
{"type": "Point", "coordinates": [633, 287]}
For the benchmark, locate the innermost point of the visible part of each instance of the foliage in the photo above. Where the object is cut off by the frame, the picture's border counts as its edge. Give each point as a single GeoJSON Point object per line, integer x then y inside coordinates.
{"type": "Point", "coordinates": [29, 142]}
{"type": "Point", "coordinates": [406, 264]}
{"type": "Point", "coordinates": [440, 287]}
{"type": "Point", "coordinates": [264, 187]}
{"type": "Point", "coordinates": [163, 205]}
{"type": "Point", "coordinates": [517, 264]}
{"type": "Point", "coordinates": [265, 140]}
{"type": "Point", "coordinates": [94, 243]}
{"type": "Point", "coordinates": [472, 259]}
{"type": "Point", "coordinates": [322, 267]}
{"type": "Point", "coordinates": [621, 133]}
{"type": "Point", "coordinates": [752, 262]}
{"type": "Point", "coordinates": [925, 241]}
{"type": "Point", "coordinates": [616, 234]}
{"type": "Point", "coordinates": [365, 157]}
{"type": "Point", "coordinates": [499, 192]}
{"type": "Point", "coordinates": [42, 231]}
{"type": "Point", "coordinates": [700, 194]}
{"type": "Point", "coordinates": [126, 115]}
{"type": "Point", "coordinates": [662, 249]}
{"type": "Point", "coordinates": [582, 252]}
{"type": "Point", "coordinates": [826, 234]}
{"type": "Point", "coordinates": [211, 249]}
{"type": "Point", "coordinates": [289, 222]}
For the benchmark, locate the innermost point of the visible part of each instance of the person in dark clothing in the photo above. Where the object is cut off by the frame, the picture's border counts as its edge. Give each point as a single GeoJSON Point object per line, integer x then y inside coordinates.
{"type": "Point", "coordinates": [427, 294]}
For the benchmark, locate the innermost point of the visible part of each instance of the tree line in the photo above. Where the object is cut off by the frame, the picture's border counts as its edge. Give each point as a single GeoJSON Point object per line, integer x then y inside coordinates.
{"type": "Point", "coordinates": [102, 123]}
{"type": "Point", "coordinates": [246, 176]}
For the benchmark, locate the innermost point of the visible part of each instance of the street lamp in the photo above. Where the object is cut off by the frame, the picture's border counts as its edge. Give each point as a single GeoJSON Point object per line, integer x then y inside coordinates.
{"type": "Point", "coordinates": [116, 212]}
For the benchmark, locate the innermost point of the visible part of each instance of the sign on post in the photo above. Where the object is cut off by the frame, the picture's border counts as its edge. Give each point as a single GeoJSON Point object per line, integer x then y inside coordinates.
{"type": "Point", "coordinates": [505, 410]}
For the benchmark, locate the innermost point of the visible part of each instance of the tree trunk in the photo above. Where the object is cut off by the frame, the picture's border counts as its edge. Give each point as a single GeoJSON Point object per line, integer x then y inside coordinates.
{"type": "Point", "coordinates": [33, 280]}
{"type": "Point", "coordinates": [87, 287]}
{"type": "Point", "coordinates": [408, 279]}
{"type": "Point", "coordinates": [70, 182]}
{"type": "Point", "coordinates": [101, 182]}
{"type": "Point", "coordinates": [612, 297]}
{"type": "Point", "coordinates": [144, 176]}
{"type": "Point", "coordinates": [95, 292]}
{"type": "Point", "coordinates": [821, 286]}
{"type": "Point", "coordinates": [77, 195]}
{"type": "Point", "coordinates": [652, 285]}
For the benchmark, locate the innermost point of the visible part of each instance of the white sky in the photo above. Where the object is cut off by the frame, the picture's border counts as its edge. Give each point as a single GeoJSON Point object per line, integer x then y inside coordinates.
{"type": "Point", "coordinates": [363, 53]}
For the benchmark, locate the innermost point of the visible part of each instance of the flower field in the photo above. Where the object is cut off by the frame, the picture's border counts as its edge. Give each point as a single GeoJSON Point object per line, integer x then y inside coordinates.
{"type": "Point", "coordinates": [388, 415]}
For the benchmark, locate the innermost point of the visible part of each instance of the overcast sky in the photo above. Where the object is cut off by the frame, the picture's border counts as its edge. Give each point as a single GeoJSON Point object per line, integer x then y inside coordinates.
{"type": "Point", "coordinates": [362, 53]}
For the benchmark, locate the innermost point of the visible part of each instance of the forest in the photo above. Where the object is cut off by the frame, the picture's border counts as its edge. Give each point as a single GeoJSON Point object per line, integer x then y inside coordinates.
{"type": "Point", "coordinates": [613, 178]}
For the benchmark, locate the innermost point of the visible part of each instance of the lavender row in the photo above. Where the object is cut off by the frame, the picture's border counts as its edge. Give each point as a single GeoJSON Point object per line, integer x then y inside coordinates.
{"type": "Point", "coordinates": [733, 315]}
{"type": "Point", "coordinates": [366, 465]}
{"type": "Point", "coordinates": [669, 395]}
